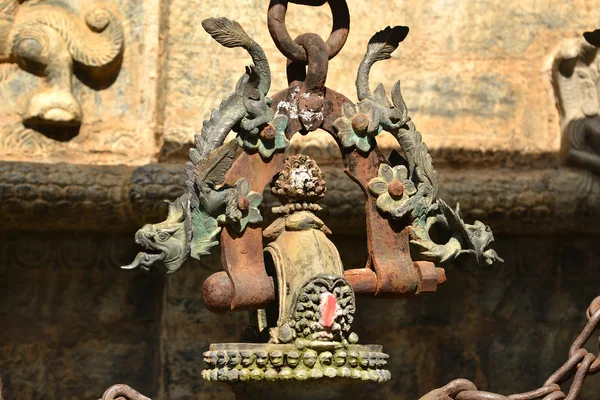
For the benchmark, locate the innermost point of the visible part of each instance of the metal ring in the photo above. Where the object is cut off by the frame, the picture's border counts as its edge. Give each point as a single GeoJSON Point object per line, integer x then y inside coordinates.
{"type": "Point", "coordinates": [292, 50]}
{"type": "Point", "coordinates": [314, 3]}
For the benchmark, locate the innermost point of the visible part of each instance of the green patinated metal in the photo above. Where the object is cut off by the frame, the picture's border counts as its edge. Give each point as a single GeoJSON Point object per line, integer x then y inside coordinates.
{"type": "Point", "coordinates": [289, 274]}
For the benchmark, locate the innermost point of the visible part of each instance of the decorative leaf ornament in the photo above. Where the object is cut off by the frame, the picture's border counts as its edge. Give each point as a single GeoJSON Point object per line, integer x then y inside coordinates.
{"type": "Point", "coordinates": [407, 187]}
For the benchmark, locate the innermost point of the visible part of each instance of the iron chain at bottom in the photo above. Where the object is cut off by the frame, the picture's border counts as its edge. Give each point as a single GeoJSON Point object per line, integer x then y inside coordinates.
{"type": "Point", "coordinates": [581, 363]}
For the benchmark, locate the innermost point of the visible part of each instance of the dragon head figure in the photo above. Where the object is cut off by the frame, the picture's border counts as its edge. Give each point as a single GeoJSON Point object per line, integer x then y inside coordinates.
{"type": "Point", "coordinates": [480, 237]}
{"type": "Point", "coordinates": [255, 101]}
{"type": "Point", "coordinates": [471, 240]}
{"type": "Point", "coordinates": [167, 243]}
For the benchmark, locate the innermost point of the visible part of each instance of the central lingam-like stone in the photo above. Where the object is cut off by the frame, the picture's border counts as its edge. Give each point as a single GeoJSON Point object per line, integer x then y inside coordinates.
{"type": "Point", "coordinates": [328, 309]}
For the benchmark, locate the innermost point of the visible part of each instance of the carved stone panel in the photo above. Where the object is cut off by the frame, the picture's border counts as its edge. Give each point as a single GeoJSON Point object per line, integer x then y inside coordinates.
{"type": "Point", "coordinates": [78, 81]}
{"type": "Point", "coordinates": [478, 90]}
{"type": "Point", "coordinates": [72, 324]}
{"type": "Point", "coordinates": [576, 83]}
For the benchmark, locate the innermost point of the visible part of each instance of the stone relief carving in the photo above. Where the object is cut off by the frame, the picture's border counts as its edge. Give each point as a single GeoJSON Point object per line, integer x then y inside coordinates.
{"type": "Point", "coordinates": [47, 39]}
{"type": "Point", "coordinates": [575, 74]}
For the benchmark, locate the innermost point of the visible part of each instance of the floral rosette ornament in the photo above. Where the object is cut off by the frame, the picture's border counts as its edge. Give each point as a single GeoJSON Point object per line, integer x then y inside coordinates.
{"type": "Point", "coordinates": [357, 129]}
{"type": "Point", "coordinates": [269, 140]}
{"type": "Point", "coordinates": [242, 208]}
{"type": "Point", "coordinates": [393, 188]}
{"type": "Point", "coordinates": [299, 185]}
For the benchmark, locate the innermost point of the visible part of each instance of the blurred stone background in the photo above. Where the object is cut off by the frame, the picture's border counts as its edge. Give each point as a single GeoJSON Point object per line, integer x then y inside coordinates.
{"type": "Point", "coordinates": [475, 77]}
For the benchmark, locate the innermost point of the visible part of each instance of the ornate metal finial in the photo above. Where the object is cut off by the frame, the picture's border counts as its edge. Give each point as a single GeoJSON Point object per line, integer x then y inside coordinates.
{"type": "Point", "coordinates": [302, 299]}
{"type": "Point", "coordinates": [299, 185]}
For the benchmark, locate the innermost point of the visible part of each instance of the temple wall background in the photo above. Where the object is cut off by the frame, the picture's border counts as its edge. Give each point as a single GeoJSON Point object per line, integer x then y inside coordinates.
{"type": "Point", "coordinates": [475, 76]}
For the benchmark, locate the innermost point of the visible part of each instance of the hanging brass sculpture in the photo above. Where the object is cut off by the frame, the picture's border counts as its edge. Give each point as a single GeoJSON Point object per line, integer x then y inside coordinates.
{"type": "Point", "coordinates": [301, 299]}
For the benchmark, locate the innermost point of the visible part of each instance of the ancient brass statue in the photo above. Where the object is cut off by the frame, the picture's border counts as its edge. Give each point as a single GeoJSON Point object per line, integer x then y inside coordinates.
{"type": "Point", "coordinates": [289, 274]}
{"type": "Point", "coordinates": [402, 190]}
{"type": "Point", "coordinates": [47, 38]}
{"type": "Point", "coordinates": [576, 82]}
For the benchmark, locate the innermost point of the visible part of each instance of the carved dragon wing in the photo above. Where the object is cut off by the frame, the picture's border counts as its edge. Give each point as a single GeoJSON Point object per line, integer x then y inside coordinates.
{"type": "Point", "coordinates": [210, 159]}
{"type": "Point", "coordinates": [416, 151]}
{"type": "Point", "coordinates": [231, 34]}
{"type": "Point", "coordinates": [454, 222]}
{"type": "Point", "coordinates": [381, 46]}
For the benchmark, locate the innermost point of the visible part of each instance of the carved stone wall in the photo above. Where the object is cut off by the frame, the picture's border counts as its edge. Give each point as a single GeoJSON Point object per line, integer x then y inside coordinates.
{"type": "Point", "coordinates": [74, 324]}
{"type": "Point", "coordinates": [473, 73]}
{"type": "Point", "coordinates": [119, 108]}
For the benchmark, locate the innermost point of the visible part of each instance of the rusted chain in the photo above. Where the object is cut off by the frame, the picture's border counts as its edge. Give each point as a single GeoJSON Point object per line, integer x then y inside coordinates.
{"type": "Point", "coordinates": [580, 375]}
{"type": "Point", "coordinates": [294, 51]}
{"type": "Point", "coordinates": [536, 394]}
{"type": "Point", "coordinates": [318, 64]}
{"type": "Point", "coordinates": [555, 396]}
{"type": "Point", "coordinates": [567, 368]}
{"type": "Point", "coordinates": [314, 3]}
{"type": "Point", "coordinates": [479, 395]}
{"type": "Point", "coordinates": [581, 363]}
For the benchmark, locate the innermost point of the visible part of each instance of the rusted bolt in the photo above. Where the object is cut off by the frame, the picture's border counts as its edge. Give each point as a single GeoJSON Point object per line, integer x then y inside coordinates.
{"type": "Point", "coordinates": [396, 189]}
{"type": "Point", "coordinates": [360, 122]}
{"type": "Point", "coordinates": [311, 102]}
{"type": "Point", "coordinates": [431, 276]}
{"type": "Point", "coordinates": [243, 203]}
{"type": "Point", "coordinates": [268, 133]}
{"type": "Point", "coordinates": [218, 292]}
{"type": "Point", "coordinates": [441, 274]}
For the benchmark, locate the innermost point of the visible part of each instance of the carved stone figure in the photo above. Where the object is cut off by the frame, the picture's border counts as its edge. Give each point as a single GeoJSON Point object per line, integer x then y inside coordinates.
{"type": "Point", "coordinates": [46, 38]}
{"type": "Point", "coordinates": [576, 80]}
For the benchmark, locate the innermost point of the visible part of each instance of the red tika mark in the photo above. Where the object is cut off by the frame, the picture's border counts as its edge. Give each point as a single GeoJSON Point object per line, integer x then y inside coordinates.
{"type": "Point", "coordinates": [329, 305]}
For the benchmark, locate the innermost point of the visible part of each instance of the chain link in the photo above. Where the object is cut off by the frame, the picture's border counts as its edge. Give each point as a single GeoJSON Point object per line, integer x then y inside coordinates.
{"type": "Point", "coordinates": [295, 51]}
{"type": "Point", "coordinates": [581, 363]}
{"type": "Point", "coordinates": [313, 3]}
